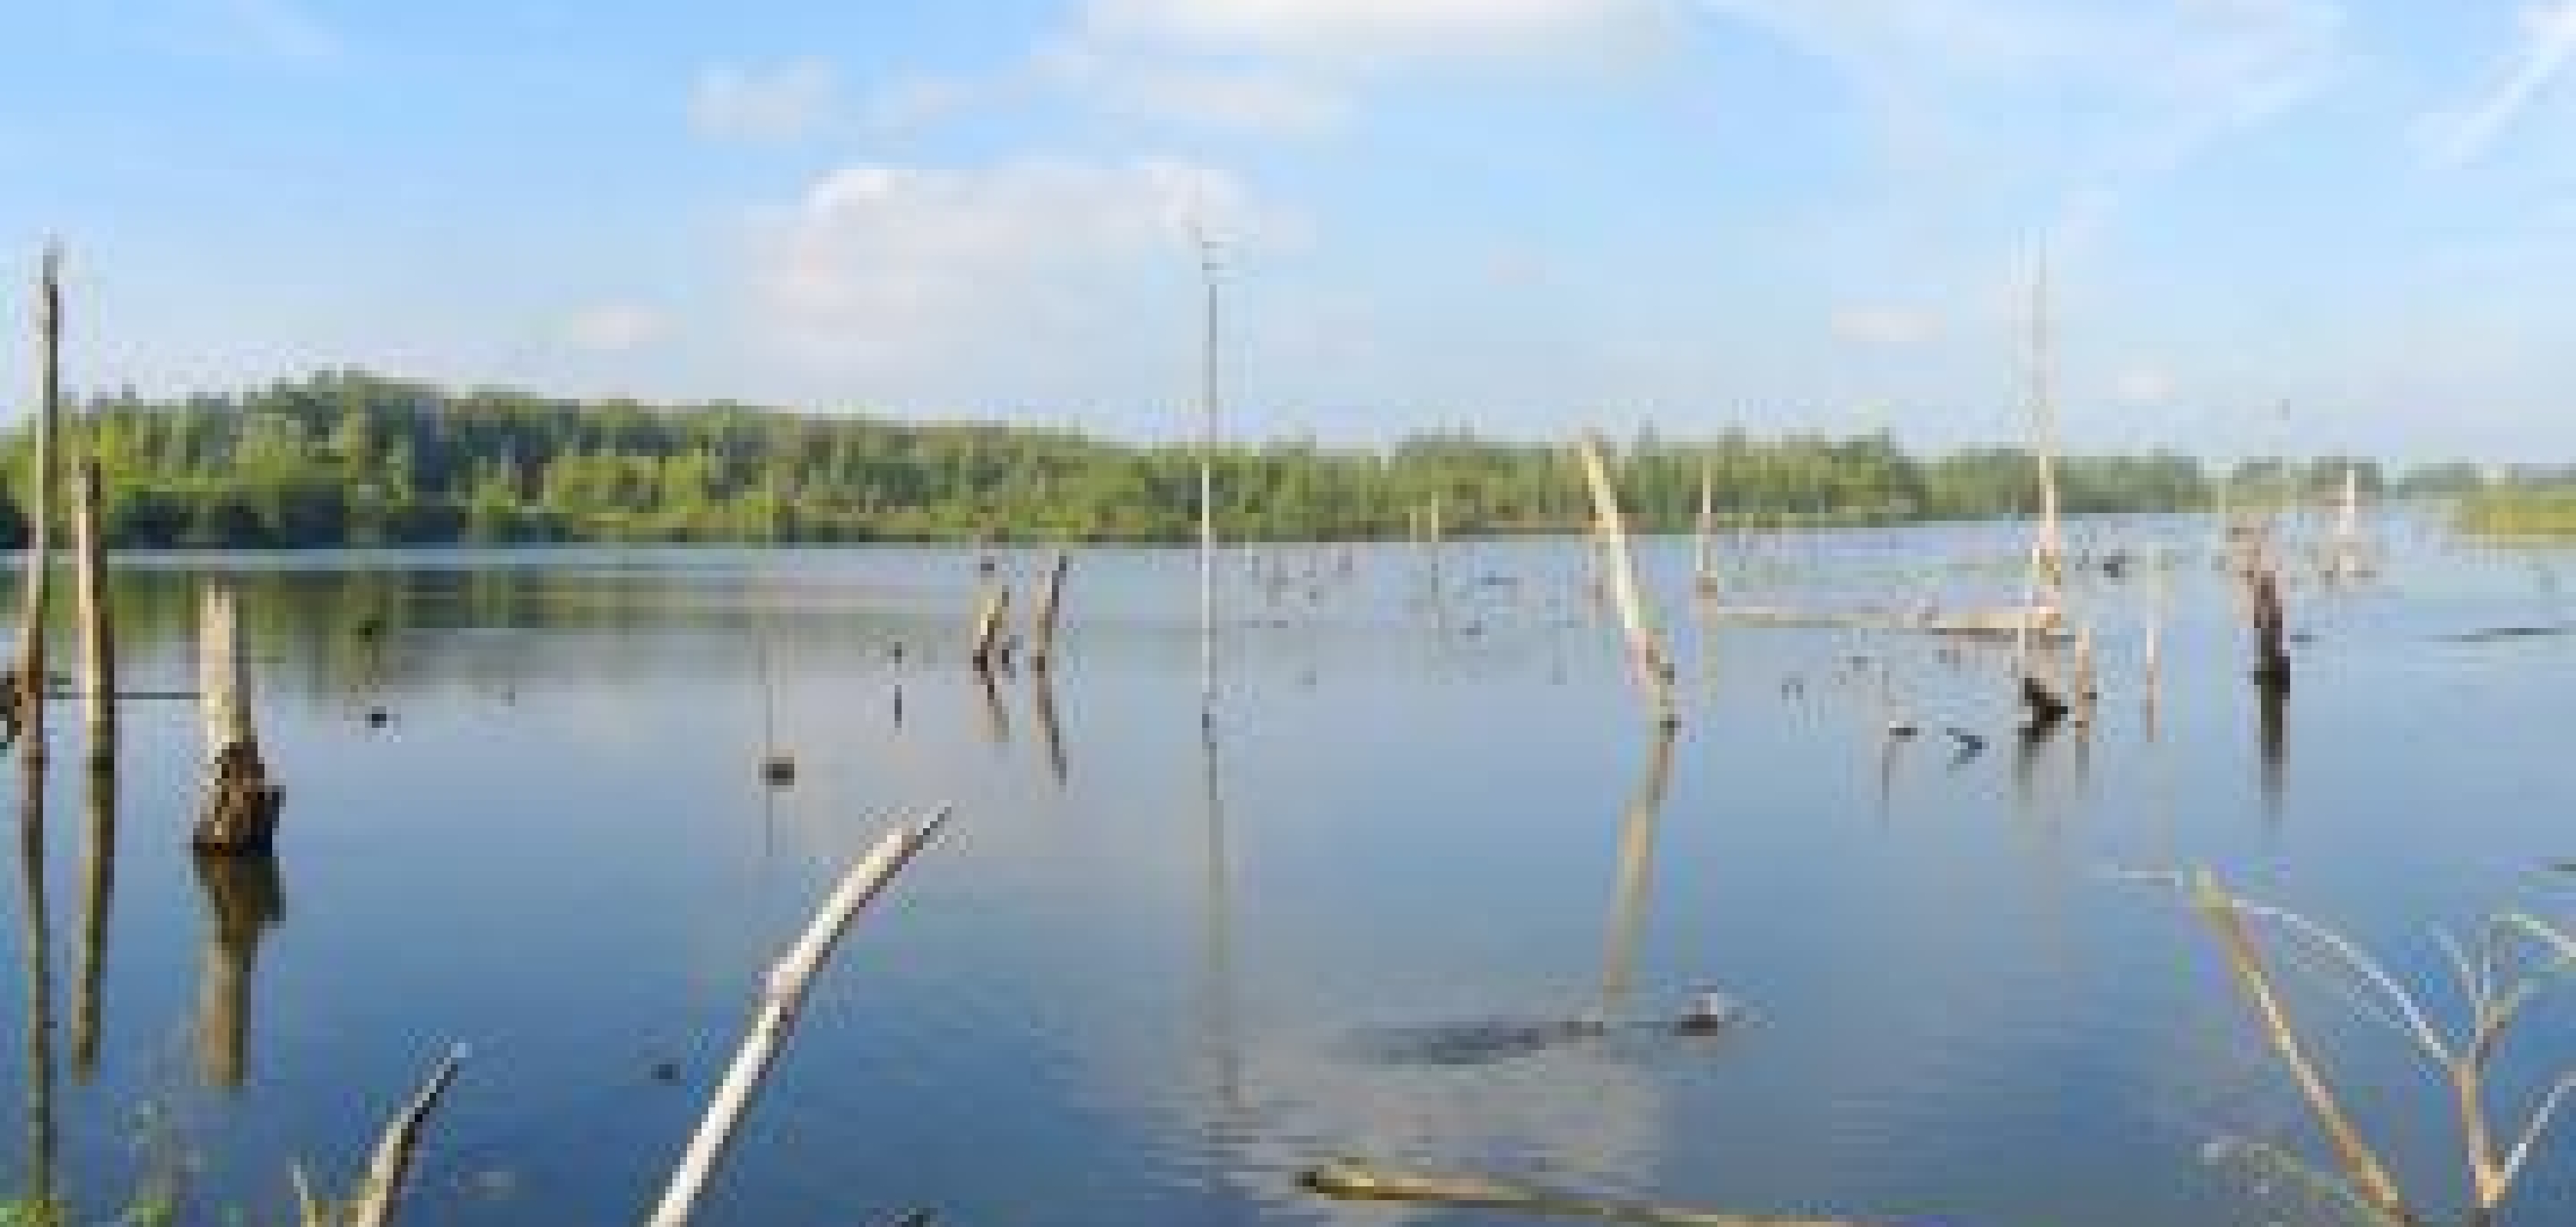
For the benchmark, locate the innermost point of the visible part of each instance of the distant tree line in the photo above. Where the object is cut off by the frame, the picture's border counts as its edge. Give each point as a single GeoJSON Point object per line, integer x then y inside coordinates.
{"type": "Point", "coordinates": [349, 458]}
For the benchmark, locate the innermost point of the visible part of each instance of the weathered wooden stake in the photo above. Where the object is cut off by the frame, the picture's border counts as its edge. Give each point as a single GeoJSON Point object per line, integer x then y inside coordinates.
{"type": "Point", "coordinates": [1645, 647]}
{"type": "Point", "coordinates": [780, 998]}
{"type": "Point", "coordinates": [2271, 650]}
{"type": "Point", "coordinates": [25, 714]}
{"type": "Point", "coordinates": [988, 628]}
{"type": "Point", "coordinates": [1704, 557]}
{"type": "Point", "coordinates": [239, 814]}
{"type": "Point", "coordinates": [1042, 652]}
{"type": "Point", "coordinates": [382, 1187]}
{"type": "Point", "coordinates": [98, 635]}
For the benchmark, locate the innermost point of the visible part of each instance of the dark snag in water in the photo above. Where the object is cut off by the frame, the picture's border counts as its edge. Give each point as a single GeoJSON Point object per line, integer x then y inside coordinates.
{"type": "Point", "coordinates": [2043, 709]}
{"type": "Point", "coordinates": [2271, 655]}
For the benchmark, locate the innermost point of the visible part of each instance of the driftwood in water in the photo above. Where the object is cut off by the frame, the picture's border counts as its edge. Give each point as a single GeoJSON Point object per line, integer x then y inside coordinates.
{"type": "Point", "coordinates": [238, 816]}
{"type": "Point", "coordinates": [1354, 1180]}
{"type": "Point", "coordinates": [985, 652]}
{"type": "Point", "coordinates": [1645, 647]}
{"type": "Point", "coordinates": [1042, 647]}
{"type": "Point", "coordinates": [23, 712]}
{"type": "Point", "coordinates": [98, 636]}
{"type": "Point", "coordinates": [382, 1188]}
{"type": "Point", "coordinates": [780, 997]}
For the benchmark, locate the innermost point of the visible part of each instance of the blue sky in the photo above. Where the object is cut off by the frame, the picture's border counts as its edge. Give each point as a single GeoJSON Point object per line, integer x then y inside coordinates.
{"type": "Point", "coordinates": [1521, 215]}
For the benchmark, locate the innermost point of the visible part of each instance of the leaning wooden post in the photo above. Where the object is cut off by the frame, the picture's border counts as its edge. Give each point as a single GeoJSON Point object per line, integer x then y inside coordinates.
{"type": "Point", "coordinates": [780, 998]}
{"type": "Point", "coordinates": [1645, 647]}
{"type": "Point", "coordinates": [382, 1187]}
{"type": "Point", "coordinates": [98, 636]}
{"type": "Point", "coordinates": [26, 704]}
{"type": "Point", "coordinates": [239, 816]}
{"type": "Point", "coordinates": [1042, 654]}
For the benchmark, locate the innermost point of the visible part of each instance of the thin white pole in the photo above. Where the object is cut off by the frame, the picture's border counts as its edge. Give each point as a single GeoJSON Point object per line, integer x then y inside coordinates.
{"type": "Point", "coordinates": [1208, 270]}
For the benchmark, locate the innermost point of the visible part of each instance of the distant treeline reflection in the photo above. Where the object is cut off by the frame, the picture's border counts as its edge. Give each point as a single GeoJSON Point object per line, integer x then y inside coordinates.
{"type": "Point", "coordinates": [345, 458]}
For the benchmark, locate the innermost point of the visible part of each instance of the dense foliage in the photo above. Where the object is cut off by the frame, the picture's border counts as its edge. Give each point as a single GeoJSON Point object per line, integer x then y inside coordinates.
{"type": "Point", "coordinates": [345, 458]}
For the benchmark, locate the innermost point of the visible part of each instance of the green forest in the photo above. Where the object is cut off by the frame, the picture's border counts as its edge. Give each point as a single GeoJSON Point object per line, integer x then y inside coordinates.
{"type": "Point", "coordinates": [348, 458]}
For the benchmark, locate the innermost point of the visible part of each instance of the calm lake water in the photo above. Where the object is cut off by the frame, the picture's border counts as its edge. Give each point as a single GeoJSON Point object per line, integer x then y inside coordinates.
{"type": "Point", "coordinates": [1148, 978]}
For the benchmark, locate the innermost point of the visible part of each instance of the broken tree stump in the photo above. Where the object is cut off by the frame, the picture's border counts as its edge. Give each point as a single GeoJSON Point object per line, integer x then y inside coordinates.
{"type": "Point", "coordinates": [988, 629]}
{"type": "Point", "coordinates": [239, 813]}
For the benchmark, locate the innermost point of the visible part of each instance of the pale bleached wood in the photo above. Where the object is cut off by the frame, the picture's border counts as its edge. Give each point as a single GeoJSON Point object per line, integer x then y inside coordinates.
{"type": "Point", "coordinates": [776, 1019]}
{"type": "Point", "coordinates": [988, 627]}
{"type": "Point", "coordinates": [2362, 1165]}
{"type": "Point", "coordinates": [28, 707]}
{"type": "Point", "coordinates": [1050, 606]}
{"type": "Point", "coordinates": [382, 1187]}
{"type": "Point", "coordinates": [98, 634]}
{"type": "Point", "coordinates": [1645, 645]}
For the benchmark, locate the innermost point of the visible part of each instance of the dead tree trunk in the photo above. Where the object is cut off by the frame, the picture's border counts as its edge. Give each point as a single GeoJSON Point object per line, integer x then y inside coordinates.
{"type": "Point", "coordinates": [2271, 651]}
{"type": "Point", "coordinates": [1042, 652]}
{"type": "Point", "coordinates": [98, 635]}
{"type": "Point", "coordinates": [25, 706]}
{"type": "Point", "coordinates": [986, 652]}
{"type": "Point", "coordinates": [239, 814]}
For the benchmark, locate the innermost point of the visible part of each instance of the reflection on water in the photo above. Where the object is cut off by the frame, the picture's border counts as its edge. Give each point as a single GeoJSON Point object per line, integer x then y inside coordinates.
{"type": "Point", "coordinates": [1131, 994]}
{"type": "Point", "coordinates": [1636, 876]}
{"type": "Point", "coordinates": [245, 898]}
{"type": "Point", "coordinates": [36, 939]}
{"type": "Point", "coordinates": [98, 892]}
{"type": "Point", "coordinates": [2272, 742]}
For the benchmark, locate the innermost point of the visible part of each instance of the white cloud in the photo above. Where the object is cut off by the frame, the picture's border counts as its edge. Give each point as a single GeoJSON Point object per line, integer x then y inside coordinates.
{"type": "Point", "coordinates": [2089, 99]}
{"type": "Point", "coordinates": [613, 328]}
{"type": "Point", "coordinates": [2536, 62]}
{"type": "Point", "coordinates": [2143, 387]}
{"type": "Point", "coordinates": [1265, 101]}
{"type": "Point", "coordinates": [908, 103]}
{"type": "Point", "coordinates": [1366, 30]}
{"type": "Point", "coordinates": [922, 282]}
{"type": "Point", "coordinates": [775, 104]}
{"type": "Point", "coordinates": [1884, 326]}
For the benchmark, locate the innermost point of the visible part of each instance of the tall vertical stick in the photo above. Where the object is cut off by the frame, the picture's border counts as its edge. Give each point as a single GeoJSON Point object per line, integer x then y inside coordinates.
{"type": "Point", "coordinates": [1704, 560]}
{"type": "Point", "coordinates": [98, 636]}
{"type": "Point", "coordinates": [780, 998]}
{"type": "Point", "coordinates": [2049, 550]}
{"type": "Point", "coordinates": [1645, 647]}
{"type": "Point", "coordinates": [29, 692]}
{"type": "Point", "coordinates": [1208, 270]}
{"type": "Point", "coordinates": [1042, 654]}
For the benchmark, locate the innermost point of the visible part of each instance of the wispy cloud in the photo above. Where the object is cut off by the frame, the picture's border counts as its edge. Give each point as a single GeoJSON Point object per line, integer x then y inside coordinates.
{"type": "Point", "coordinates": [781, 103]}
{"type": "Point", "coordinates": [276, 30]}
{"type": "Point", "coordinates": [1368, 30]}
{"type": "Point", "coordinates": [900, 278]}
{"type": "Point", "coordinates": [2538, 58]}
{"type": "Point", "coordinates": [1883, 325]}
{"type": "Point", "coordinates": [613, 329]}
{"type": "Point", "coordinates": [2089, 99]}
